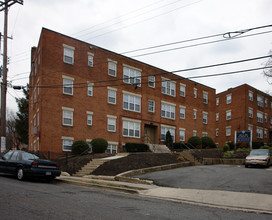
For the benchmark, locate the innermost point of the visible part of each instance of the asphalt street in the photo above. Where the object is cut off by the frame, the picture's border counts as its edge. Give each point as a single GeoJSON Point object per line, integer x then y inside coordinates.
{"type": "Point", "coordinates": [215, 177]}
{"type": "Point", "coordinates": [56, 200]}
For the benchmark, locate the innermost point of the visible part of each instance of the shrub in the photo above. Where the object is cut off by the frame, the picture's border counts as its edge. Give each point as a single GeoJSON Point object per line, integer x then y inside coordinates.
{"type": "Point", "coordinates": [228, 154]}
{"type": "Point", "coordinates": [195, 141]}
{"type": "Point", "coordinates": [99, 145]}
{"type": "Point", "coordinates": [177, 145]}
{"type": "Point", "coordinates": [79, 147]}
{"type": "Point", "coordinates": [168, 139]}
{"type": "Point", "coordinates": [257, 144]}
{"type": "Point", "coordinates": [226, 148]}
{"type": "Point", "coordinates": [136, 147]}
{"type": "Point", "coordinates": [243, 150]}
{"type": "Point", "coordinates": [231, 145]}
{"type": "Point", "coordinates": [207, 142]}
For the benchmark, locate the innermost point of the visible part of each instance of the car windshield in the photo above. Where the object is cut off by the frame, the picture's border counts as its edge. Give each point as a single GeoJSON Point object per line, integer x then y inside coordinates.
{"type": "Point", "coordinates": [259, 153]}
{"type": "Point", "coordinates": [28, 156]}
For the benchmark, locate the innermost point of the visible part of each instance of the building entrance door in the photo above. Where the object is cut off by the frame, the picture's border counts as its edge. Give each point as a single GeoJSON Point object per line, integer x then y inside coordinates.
{"type": "Point", "coordinates": [151, 134]}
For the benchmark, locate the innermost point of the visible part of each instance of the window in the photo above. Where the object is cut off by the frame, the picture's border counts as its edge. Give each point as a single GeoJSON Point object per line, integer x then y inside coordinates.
{"type": "Point", "coordinates": [151, 81]}
{"type": "Point", "coordinates": [131, 102]}
{"type": "Point", "coordinates": [111, 95]}
{"type": "Point", "coordinates": [266, 102]}
{"type": "Point", "coordinates": [182, 112]}
{"type": "Point", "coordinates": [205, 97]}
{"type": "Point", "coordinates": [67, 143]}
{"type": "Point", "coordinates": [164, 130]}
{"type": "Point", "coordinates": [217, 132]}
{"type": "Point", "coordinates": [195, 93]}
{"type": "Point", "coordinates": [228, 131]}
{"type": "Point", "coordinates": [217, 117]}
{"type": "Point", "coordinates": [217, 101]}
{"type": "Point", "coordinates": [112, 148]}
{"type": "Point", "coordinates": [265, 133]}
{"type": "Point", "coordinates": [68, 85]}
{"type": "Point", "coordinates": [168, 110]}
{"type": "Point", "coordinates": [111, 123]}
{"type": "Point", "coordinates": [181, 134]}
{"type": "Point", "coordinates": [228, 115]}
{"type": "Point", "coordinates": [67, 116]}
{"type": "Point", "coordinates": [250, 127]}
{"type": "Point", "coordinates": [182, 90]}
{"type": "Point", "coordinates": [90, 59]}
{"type": "Point", "coordinates": [132, 76]}
{"type": "Point", "coordinates": [260, 101]}
{"type": "Point", "coordinates": [250, 95]}
{"type": "Point", "coordinates": [205, 118]}
{"type": "Point", "coordinates": [68, 54]}
{"type": "Point", "coordinates": [112, 67]}
{"type": "Point", "coordinates": [168, 87]}
{"type": "Point", "coordinates": [228, 99]}
{"type": "Point", "coordinates": [151, 106]}
{"type": "Point", "coordinates": [204, 134]}
{"type": "Point", "coordinates": [90, 89]}
{"type": "Point", "coordinates": [250, 112]}
{"type": "Point", "coordinates": [194, 133]}
{"type": "Point", "coordinates": [195, 111]}
{"type": "Point", "coordinates": [131, 129]}
{"type": "Point", "coordinates": [260, 117]}
{"type": "Point", "coordinates": [89, 118]}
{"type": "Point", "coordinates": [265, 117]}
{"type": "Point", "coordinates": [259, 132]}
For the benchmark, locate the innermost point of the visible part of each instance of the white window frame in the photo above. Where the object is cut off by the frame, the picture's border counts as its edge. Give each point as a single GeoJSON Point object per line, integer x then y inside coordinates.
{"type": "Point", "coordinates": [250, 95]}
{"type": "Point", "coordinates": [260, 102]}
{"type": "Point", "coordinates": [151, 81]}
{"type": "Point", "coordinates": [228, 131]}
{"type": "Point", "coordinates": [228, 99]}
{"type": "Point", "coordinates": [216, 132]}
{"type": "Point", "coordinates": [204, 134]}
{"type": "Point", "coordinates": [131, 128]}
{"type": "Point", "coordinates": [112, 148]}
{"type": "Point", "coordinates": [68, 84]}
{"type": "Point", "coordinates": [217, 101]}
{"type": "Point", "coordinates": [131, 102]}
{"type": "Point", "coordinates": [111, 123]}
{"type": "Point", "coordinates": [217, 116]}
{"type": "Point", "coordinates": [265, 133]}
{"type": "Point", "coordinates": [67, 143]}
{"type": "Point", "coordinates": [205, 118]}
{"type": "Point", "coordinates": [89, 118]}
{"type": "Point", "coordinates": [195, 114]}
{"type": "Point", "coordinates": [132, 75]}
{"type": "Point", "coordinates": [182, 112]}
{"type": "Point", "coordinates": [90, 89]}
{"type": "Point", "coordinates": [151, 106]}
{"type": "Point", "coordinates": [67, 113]}
{"type": "Point", "coordinates": [164, 129]}
{"type": "Point", "coordinates": [259, 132]}
{"type": "Point", "coordinates": [259, 117]}
{"type": "Point", "coordinates": [265, 117]}
{"type": "Point", "coordinates": [250, 112]}
{"type": "Point", "coordinates": [182, 88]}
{"type": "Point", "coordinates": [228, 115]}
{"type": "Point", "coordinates": [112, 68]}
{"type": "Point", "coordinates": [90, 59]}
{"type": "Point", "coordinates": [195, 93]}
{"type": "Point", "coordinates": [68, 53]}
{"type": "Point", "coordinates": [112, 95]}
{"type": "Point", "coordinates": [194, 133]}
{"type": "Point", "coordinates": [205, 97]}
{"type": "Point", "coordinates": [168, 110]}
{"type": "Point", "coordinates": [182, 134]}
{"type": "Point", "coordinates": [168, 87]}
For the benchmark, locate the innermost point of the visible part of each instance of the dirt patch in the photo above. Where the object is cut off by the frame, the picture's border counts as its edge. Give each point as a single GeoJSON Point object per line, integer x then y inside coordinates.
{"type": "Point", "coordinates": [135, 161]}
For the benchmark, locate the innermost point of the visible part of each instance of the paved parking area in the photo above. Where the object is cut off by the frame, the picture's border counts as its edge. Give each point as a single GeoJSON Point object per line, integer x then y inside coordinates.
{"type": "Point", "coordinates": [215, 177]}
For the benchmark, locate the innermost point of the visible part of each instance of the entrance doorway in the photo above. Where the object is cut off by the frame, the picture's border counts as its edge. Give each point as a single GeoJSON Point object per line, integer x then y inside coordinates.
{"type": "Point", "coordinates": [151, 134]}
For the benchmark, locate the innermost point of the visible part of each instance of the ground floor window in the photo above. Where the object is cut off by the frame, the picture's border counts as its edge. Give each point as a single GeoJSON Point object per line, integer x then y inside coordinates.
{"type": "Point", "coordinates": [131, 129]}
{"type": "Point", "coordinates": [112, 148]}
{"type": "Point", "coordinates": [164, 131]}
{"type": "Point", "coordinates": [67, 144]}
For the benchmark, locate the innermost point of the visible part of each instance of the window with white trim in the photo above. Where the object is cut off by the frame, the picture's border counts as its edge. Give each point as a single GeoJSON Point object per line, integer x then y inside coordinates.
{"type": "Point", "coordinates": [250, 95]}
{"type": "Point", "coordinates": [228, 131]}
{"type": "Point", "coordinates": [151, 81]}
{"type": "Point", "coordinates": [151, 106]}
{"type": "Point", "coordinates": [111, 96]}
{"type": "Point", "coordinates": [112, 68]}
{"type": "Point", "coordinates": [182, 112]}
{"type": "Point", "coordinates": [168, 111]}
{"type": "Point", "coordinates": [67, 144]}
{"type": "Point", "coordinates": [131, 129]}
{"type": "Point", "coordinates": [112, 148]}
{"type": "Point", "coordinates": [131, 76]}
{"type": "Point", "coordinates": [260, 101]}
{"type": "Point", "coordinates": [68, 85]}
{"type": "Point", "coordinates": [89, 118]}
{"type": "Point", "coordinates": [195, 112]}
{"type": "Point", "coordinates": [259, 132]}
{"type": "Point", "coordinates": [250, 112]}
{"type": "Point", "coordinates": [205, 118]}
{"type": "Point", "coordinates": [217, 101]}
{"type": "Point", "coordinates": [265, 117]}
{"type": "Point", "coordinates": [168, 87]}
{"type": "Point", "coordinates": [204, 134]}
{"type": "Point", "coordinates": [181, 134]}
{"type": "Point", "coordinates": [164, 130]}
{"type": "Point", "coordinates": [112, 123]}
{"type": "Point", "coordinates": [90, 89]}
{"type": "Point", "coordinates": [265, 133]}
{"type": "Point", "coordinates": [260, 117]}
{"type": "Point", "coordinates": [68, 54]}
{"type": "Point", "coordinates": [266, 102]}
{"type": "Point", "coordinates": [131, 102]}
{"type": "Point", "coordinates": [217, 117]}
{"type": "Point", "coordinates": [228, 115]}
{"type": "Point", "coordinates": [250, 127]}
{"type": "Point", "coordinates": [182, 90]}
{"type": "Point", "coordinates": [195, 93]}
{"type": "Point", "coordinates": [67, 117]}
{"type": "Point", "coordinates": [194, 133]}
{"type": "Point", "coordinates": [90, 59]}
{"type": "Point", "coordinates": [228, 99]}
{"type": "Point", "coordinates": [217, 132]}
{"type": "Point", "coordinates": [205, 97]}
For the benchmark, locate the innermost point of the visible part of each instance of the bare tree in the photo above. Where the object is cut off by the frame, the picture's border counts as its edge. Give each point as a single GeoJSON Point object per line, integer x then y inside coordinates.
{"type": "Point", "coordinates": [268, 70]}
{"type": "Point", "coordinates": [12, 140]}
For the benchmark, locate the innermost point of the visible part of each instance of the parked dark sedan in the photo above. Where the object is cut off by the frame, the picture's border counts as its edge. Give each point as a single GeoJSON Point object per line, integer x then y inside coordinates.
{"type": "Point", "coordinates": [24, 164]}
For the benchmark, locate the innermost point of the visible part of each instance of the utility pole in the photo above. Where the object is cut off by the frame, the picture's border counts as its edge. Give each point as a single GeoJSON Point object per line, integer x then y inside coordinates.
{"type": "Point", "coordinates": [4, 6]}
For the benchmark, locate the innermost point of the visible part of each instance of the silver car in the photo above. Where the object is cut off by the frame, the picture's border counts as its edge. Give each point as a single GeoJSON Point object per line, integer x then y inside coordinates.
{"type": "Point", "coordinates": [262, 157]}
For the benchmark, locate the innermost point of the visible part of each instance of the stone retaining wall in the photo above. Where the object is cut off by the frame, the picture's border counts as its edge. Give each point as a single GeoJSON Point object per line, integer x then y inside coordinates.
{"type": "Point", "coordinates": [212, 161]}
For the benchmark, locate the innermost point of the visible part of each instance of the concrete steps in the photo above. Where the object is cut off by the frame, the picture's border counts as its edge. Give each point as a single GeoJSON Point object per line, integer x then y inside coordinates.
{"type": "Point", "coordinates": [90, 167]}
{"type": "Point", "coordinates": [158, 148]}
{"type": "Point", "coordinates": [188, 156]}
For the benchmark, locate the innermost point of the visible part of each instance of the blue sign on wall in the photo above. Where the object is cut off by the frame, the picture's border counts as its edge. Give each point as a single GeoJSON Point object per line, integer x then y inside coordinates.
{"type": "Point", "coordinates": [243, 136]}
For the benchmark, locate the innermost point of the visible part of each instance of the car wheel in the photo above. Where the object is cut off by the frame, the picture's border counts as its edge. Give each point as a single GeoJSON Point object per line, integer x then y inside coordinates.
{"type": "Point", "coordinates": [268, 164]}
{"type": "Point", "coordinates": [246, 166]}
{"type": "Point", "coordinates": [20, 174]}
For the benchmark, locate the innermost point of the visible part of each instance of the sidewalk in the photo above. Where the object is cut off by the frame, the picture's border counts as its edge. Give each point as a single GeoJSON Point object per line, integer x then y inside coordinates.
{"type": "Point", "coordinates": [251, 202]}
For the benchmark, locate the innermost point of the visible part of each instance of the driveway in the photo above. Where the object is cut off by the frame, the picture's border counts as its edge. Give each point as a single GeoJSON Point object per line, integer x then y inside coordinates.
{"type": "Point", "coordinates": [215, 177]}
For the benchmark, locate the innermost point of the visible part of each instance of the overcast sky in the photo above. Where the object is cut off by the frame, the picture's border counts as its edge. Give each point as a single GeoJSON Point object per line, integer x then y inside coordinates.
{"type": "Point", "coordinates": [123, 25]}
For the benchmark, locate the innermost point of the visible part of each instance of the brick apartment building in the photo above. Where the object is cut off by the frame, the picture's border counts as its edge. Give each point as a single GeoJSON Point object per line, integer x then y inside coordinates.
{"type": "Point", "coordinates": [79, 91]}
{"type": "Point", "coordinates": [243, 108]}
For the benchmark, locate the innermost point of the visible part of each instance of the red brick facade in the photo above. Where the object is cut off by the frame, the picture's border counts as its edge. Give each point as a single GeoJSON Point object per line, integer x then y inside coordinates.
{"type": "Point", "coordinates": [59, 114]}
